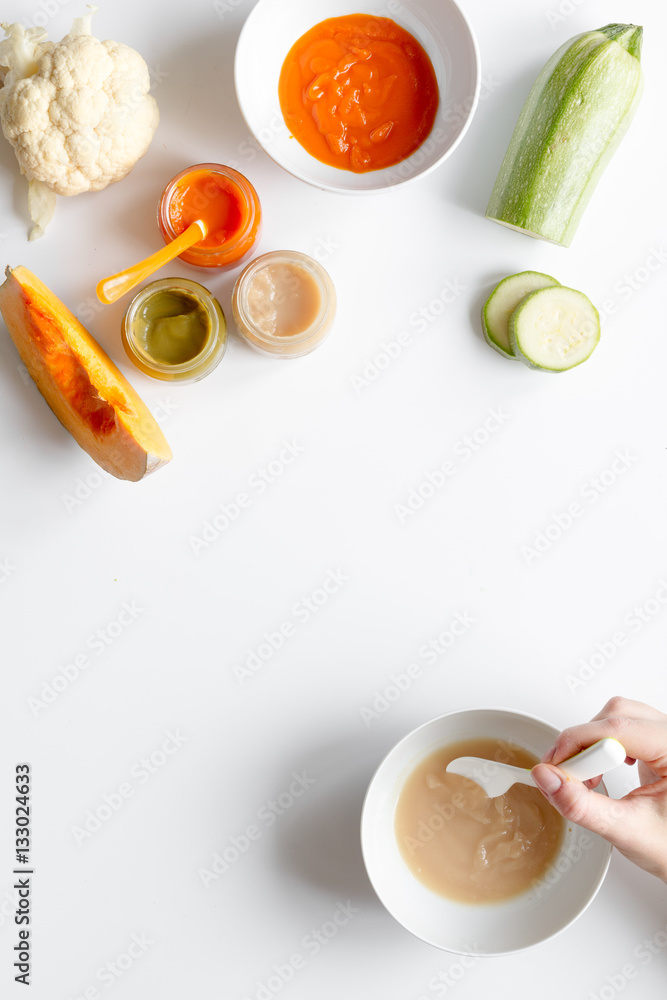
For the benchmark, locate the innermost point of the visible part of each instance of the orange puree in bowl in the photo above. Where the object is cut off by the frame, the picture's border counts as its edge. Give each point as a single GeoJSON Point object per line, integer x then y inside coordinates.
{"type": "Point", "coordinates": [358, 92]}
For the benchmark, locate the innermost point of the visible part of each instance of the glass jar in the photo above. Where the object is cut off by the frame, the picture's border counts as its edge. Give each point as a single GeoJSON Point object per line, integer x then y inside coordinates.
{"type": "Point", "coordinates": [223, 199]}
{"type": "Point", "coordinates": [284, 303]}
{"type": "Point", "coordinates": [174, 330]}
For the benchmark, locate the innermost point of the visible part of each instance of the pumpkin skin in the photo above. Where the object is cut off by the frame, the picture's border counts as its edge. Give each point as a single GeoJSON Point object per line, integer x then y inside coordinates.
{"type": "Point", "coordinates": [92, 399]}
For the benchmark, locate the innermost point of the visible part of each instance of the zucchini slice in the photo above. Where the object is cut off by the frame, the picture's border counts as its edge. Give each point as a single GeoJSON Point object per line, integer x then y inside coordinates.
{"type": "Point", "coordinates": [502, 302]}
{"type": "Point", "coordinates": [554, 329]}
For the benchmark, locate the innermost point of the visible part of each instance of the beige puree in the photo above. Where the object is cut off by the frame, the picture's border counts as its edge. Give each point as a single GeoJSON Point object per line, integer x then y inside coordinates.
{"type": "Point", "coordinates": [284, 299]}
{"type": "Point", "coordinates": [462, 844]}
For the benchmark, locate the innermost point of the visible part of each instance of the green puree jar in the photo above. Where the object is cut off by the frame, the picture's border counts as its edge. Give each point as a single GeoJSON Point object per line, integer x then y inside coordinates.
{"type": "Point", "coordinates": [175, 330]}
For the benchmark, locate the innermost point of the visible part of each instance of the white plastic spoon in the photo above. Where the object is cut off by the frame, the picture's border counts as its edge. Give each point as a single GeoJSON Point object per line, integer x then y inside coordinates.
{"type": "Point", "coordinates": [496, 778]}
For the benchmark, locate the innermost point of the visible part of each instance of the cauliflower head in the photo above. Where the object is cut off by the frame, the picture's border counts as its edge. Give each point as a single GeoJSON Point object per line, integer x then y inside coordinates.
{"type": "Point", "coordinates": [77, 112]}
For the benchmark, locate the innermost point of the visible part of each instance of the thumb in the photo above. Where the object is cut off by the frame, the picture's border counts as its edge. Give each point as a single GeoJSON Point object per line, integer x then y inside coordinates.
{"type": "Point", "coordinates": [576, 802]}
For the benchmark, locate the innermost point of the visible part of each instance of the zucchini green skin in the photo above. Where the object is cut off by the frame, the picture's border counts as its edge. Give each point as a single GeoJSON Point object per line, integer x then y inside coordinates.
{"type": "Point", "coordinates": [496, 327]}
{"type": "Point", "coordinates": [579, 109]}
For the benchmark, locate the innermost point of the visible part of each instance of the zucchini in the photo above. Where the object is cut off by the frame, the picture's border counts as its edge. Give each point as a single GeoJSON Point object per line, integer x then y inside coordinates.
{"type": "Point", "coordinates": [502, 302]}
{"type": "Point", "coordinates": [554, 329]}
{"type": "Point", "coordinates": [574, 118]}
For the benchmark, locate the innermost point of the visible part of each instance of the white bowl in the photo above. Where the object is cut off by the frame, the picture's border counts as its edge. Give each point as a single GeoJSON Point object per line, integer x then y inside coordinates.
{"type": "Point", "coordinates": [273, 26]}
{"type": "Point", "coordinates": [500, 928]}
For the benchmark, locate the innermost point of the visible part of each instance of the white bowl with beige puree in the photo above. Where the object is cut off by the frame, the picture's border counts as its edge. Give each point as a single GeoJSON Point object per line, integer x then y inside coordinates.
{"type": "Point", "coordinates": [552, 902]}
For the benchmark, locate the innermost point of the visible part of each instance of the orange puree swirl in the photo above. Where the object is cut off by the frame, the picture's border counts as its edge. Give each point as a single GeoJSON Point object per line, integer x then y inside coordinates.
{"type": "Point", "coordinates": [214, 199]}
{"type": "Point", "coordinates": [358, 92]}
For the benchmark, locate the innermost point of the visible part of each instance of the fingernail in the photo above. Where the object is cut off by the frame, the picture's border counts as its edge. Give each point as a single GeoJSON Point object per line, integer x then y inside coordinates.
{"type": "Point", "coordinates": [547, 781]}
{"type": "Point", "coordinates": [548, 754]}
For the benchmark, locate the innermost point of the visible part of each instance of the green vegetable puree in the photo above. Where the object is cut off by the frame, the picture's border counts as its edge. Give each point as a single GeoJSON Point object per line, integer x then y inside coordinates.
{"type": "Point", "coordinates": [172, 327]}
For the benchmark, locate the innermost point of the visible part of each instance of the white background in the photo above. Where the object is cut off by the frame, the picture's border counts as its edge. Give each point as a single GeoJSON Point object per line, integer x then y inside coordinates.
{"type": "Point", "coordinates": [76, 546]}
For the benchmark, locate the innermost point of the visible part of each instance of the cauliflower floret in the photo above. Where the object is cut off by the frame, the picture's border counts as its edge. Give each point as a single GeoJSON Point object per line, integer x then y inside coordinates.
{"type": "Point", "coordinates": [77, 112]}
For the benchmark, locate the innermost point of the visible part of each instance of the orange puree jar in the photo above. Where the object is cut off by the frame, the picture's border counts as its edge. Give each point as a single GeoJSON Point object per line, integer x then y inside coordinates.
{"type": "Point", "coordinates": [225, 201]}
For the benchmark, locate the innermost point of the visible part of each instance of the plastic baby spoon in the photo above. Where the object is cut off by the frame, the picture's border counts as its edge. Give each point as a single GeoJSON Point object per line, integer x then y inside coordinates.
{"type": "Point", "coordinates": [496, 778]}
{"type": "Point", "coordinates": [110, 289]}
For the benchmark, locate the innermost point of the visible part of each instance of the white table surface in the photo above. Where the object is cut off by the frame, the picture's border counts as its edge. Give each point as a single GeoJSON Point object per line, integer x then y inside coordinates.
{"type": "Point", "coordinates": [161, 687]}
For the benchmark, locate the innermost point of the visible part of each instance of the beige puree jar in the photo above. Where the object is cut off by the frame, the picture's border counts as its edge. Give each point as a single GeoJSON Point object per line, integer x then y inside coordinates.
{"type": "Point", "coordinates": [284, 303]}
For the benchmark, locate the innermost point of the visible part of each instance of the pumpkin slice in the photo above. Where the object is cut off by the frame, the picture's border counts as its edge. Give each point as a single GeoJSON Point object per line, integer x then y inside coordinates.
{"type": "Point", "coordinates": [92, 399]}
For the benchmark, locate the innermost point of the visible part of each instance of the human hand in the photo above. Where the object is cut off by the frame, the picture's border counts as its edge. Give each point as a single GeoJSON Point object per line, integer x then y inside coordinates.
{"type": "Point", "coordinates": [637, 823]}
